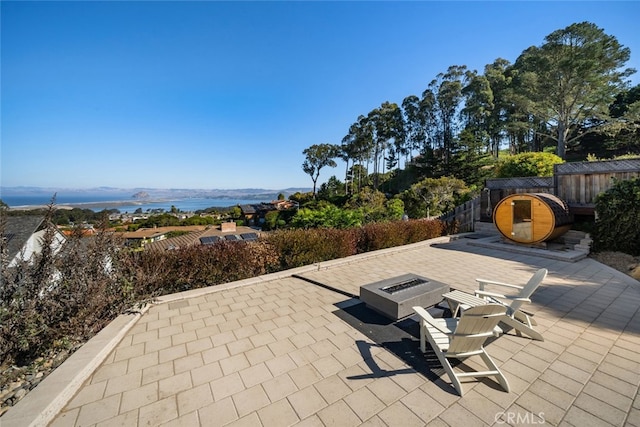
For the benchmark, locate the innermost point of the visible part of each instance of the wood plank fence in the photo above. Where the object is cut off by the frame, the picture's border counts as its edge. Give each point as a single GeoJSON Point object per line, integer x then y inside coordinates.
{"type": "Point", "coordinates": [579, 183]}
{"type": "Point", "coordinates": [465, 215]}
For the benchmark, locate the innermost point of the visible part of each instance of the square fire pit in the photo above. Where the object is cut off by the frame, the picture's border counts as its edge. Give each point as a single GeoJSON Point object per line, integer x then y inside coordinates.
{"type": "Point", "coordinates": [395, 297]}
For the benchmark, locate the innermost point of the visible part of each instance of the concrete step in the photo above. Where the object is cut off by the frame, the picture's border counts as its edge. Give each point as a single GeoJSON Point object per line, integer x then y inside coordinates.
{"type": "Point", "coordinates": [485, 227]}
{"type": "Point", "coordinates": [579, 240]}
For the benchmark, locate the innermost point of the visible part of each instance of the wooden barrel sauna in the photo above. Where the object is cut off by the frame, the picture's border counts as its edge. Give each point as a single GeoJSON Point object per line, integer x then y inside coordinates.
{"type": "Point", "coordinates": [532, 217]}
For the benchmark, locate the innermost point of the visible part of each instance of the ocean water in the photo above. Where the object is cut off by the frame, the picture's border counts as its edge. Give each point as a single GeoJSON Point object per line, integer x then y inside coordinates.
{"type": "Point", "coordinates": [125, 204]}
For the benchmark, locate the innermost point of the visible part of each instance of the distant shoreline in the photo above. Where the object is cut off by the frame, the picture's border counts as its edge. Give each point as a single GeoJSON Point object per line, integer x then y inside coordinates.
{"type": "Point", "coordinates": [146, 205]}
{"type": "Point", "coordinates": [89, 205]}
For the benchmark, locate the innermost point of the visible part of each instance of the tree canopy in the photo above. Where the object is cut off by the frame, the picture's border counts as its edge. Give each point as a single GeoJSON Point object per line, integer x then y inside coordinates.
{"type": "Point", "coordinates": [569, 93]}
{"type": "Point", "coordinates": [316, 157]}
{"type": "Point", "coordinates": [572, 79]}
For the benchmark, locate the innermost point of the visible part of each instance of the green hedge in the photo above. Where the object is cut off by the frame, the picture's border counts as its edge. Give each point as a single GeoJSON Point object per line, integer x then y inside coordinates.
{"type": "Point", "coordinates": [618, 217]}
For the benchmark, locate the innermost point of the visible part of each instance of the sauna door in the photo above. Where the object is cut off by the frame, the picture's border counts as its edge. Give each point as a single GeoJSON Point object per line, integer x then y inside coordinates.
{"type": "Point", "coordinates": [521, 229]}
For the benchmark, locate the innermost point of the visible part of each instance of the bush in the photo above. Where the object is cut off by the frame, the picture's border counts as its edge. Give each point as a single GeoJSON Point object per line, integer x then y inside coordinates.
{"type": "Point", "coordinates": [303, 247]}
{"type": "Point", "coordinates": [527, 164]}
{"type": "Point", "coordinates": [618, 215]}
{"type": "Point", "coordinates": [328, 216]}
{"type": "Point", "coordinates": [434, 196]}
{"type": "Point", "coordinates": [375, 236]}
{"type": "Point", "coordinates": [164, 272]}
{"type": "Point", "coordinates": [69, 297]}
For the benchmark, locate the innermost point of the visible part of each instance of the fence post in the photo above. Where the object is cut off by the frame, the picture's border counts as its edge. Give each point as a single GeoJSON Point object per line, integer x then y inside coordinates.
{"type": "Point", "coordinates": [473, 217]}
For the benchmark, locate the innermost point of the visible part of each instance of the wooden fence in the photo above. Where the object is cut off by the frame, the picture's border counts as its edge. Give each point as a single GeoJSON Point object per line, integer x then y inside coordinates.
{"type": "Point", "coordinates": [465, 215]}
{"type": "Point", "coordinates": [578, 184]}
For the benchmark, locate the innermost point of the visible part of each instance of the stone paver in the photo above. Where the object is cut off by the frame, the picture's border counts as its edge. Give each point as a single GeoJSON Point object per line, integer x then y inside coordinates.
{"type": "Point", "coordinates": [277, 352]}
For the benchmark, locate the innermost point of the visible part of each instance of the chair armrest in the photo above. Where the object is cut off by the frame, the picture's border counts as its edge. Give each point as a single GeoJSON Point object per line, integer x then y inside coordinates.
{"type": "Point", "coordinates": [496, 295]}
{"type": "Point", "coordinates": [426, 317]}
{"type": "Point", "coordinates": [483, 282]}
{"type": "Point", "coordinates": [489, 294]}
{"type": "Point", "coordinates": [519, 299]}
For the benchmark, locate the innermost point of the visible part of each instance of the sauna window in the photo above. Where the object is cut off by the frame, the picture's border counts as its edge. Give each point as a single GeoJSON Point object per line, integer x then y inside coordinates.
{"type": "Point", "coordinates": [522, 219]}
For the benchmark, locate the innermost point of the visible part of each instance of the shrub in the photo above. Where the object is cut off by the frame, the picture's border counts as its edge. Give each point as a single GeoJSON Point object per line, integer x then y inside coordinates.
{"type": "Point", "coordinates": [303, 247]}
{"type": "Point", "coordinates": [618, 215]}
{"type": "Point", "coordinates": [434, 196]}
{"type": "Point", "coordinates": [163, 272]}
{"type": "Point", "coordinates": [527, 164]}
{"type": "Point", "coordinates": [328, 216]}
{"type": "Point", "coordinates": [71, 295]}
{"type": "Point", "coordinates": [375, 236]}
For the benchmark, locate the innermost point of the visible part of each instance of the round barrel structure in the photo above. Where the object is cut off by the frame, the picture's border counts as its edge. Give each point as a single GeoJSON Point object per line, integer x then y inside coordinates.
{"type": "Point", "coordinates": [532, 217]}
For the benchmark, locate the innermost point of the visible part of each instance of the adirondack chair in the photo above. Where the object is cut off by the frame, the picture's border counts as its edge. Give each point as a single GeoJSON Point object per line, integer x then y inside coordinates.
{"type": "Point", "coordinates": [517, 318]}
{"type": "Point", "coordinates": [453, 338]}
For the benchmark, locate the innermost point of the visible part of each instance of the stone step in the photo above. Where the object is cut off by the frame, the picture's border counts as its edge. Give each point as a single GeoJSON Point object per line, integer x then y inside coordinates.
{"type": "Point", "coordinates": [485, 227]}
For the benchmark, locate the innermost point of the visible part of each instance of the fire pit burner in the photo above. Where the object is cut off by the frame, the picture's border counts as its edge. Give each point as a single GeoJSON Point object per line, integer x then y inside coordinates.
{"type": "Point", "coordinates": [402, 286]}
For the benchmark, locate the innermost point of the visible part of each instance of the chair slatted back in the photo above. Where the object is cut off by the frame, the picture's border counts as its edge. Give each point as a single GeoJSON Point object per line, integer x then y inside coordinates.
{"type": "Point", "coordinates": [528, 289]}
{"type": "Point", "coordinates": [475, 326]}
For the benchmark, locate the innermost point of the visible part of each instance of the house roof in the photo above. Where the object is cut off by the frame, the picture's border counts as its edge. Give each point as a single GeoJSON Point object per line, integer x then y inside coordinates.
{"type": "Point", "coordinates": [208, 236]}
{"type": "Point", "coordinates": [17, 231]}
{"type": "Point", "coordinates": [145, 233]}
{"type": "Point", "coordinates": [176, 242]}
{"type": "Point", "coordinates": [258, 207]}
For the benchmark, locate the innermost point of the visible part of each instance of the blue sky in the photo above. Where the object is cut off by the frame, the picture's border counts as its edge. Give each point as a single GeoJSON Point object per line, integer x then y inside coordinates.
{"type": "Point", "coordinates": [227, 95]}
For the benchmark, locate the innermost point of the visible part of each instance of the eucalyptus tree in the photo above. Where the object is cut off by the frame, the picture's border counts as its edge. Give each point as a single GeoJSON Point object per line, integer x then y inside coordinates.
{"type": "Point", "coordinates": [395, 128]}
{"type": "Point", "coordinates": [572, 78]}
{"type": "Point", "coordinates": [522, 128]}
{"type": "Point", "coordinates": [389, 137]}
{"type": "Point", "coordinates": [499, 79]}
{"type": "Point", "coordinates": [478, 107]}
{"type": "Point", "coordinates": [445, 92]}
{"type": "Point", "coordinates": [316, 157]}
{"type": "Point", "coordinates": [346, 153]}
{"type": "Point", "coordinates": [357, 146]}
{"type": "Point", "coordinates": [379, 141]}
{"type": "Point", "coordinates": [414, 122]}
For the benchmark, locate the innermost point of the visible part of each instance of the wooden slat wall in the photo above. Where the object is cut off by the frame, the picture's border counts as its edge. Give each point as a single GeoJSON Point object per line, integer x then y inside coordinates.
{"type": "Point", "coordinates": [582, 189]}
{"type": "Point", "coordinates": [466, 214]}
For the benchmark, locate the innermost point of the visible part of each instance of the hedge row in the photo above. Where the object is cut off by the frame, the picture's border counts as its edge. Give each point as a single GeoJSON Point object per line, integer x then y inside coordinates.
{"type": "Point", "coordinates": [59, 301]}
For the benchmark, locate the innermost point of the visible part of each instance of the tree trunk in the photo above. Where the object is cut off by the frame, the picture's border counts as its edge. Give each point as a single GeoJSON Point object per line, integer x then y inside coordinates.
{"type": "Point", "coordinates": [561, 139]}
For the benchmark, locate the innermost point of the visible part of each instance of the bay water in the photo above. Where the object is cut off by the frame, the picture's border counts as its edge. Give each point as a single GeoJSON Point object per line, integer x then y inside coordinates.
{"type": "Point", "coordinates": [124, 204]}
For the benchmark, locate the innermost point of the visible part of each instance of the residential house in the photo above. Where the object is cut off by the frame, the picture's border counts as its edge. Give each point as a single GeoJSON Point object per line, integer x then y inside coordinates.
{"type": "Point", "coordinates": [24, 237]}
{"type": "Point", "coordinates": [253, 215]}
{"type": "Point", "coordinates": [140, 238]}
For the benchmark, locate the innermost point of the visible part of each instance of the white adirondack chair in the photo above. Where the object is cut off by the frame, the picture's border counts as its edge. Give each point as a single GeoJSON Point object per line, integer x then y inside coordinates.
{"type": "Point", "coordinates": [520, 320]}
{"type": "Point", "coordinates": [453, 338]}
{"type": "Point", "coordinates": [517, 318]}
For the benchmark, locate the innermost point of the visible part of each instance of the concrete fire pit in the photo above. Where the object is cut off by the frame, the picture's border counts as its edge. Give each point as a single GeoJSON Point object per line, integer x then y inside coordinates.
{"type": "Point", "coordinates": [395, 297]}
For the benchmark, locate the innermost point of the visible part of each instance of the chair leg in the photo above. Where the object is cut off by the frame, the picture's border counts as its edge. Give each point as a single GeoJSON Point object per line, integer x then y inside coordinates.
{"type": "Point", "coordinates": [492, 366]}
{"type": "Point", "coordinates": [445, 364]}
{"type": "Point", "coordinates": [452, 375]}
{"type": "Point", "coordinates": [454, 307]}
{"type": "Point", "coordinates": [521, 327]}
